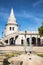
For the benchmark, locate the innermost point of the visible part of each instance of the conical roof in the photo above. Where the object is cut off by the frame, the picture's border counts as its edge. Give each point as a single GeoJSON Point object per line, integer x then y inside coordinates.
{"type": "Point", "coordinates": [12, 19]}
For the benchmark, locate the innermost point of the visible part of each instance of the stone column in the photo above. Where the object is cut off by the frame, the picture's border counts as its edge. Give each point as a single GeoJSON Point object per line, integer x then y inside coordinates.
{"type": "Point", "coordinates": [30, 41]}
{"type": "Point", "coordinates": [37, 40]}
{"type": "Point", "coordinates": [30, 49]}
{"type": "Point", "coordinates": [14, 41]}
{"type": "Point", "coordinates": [25, 42]}
{"type": "Point", "coordinates": [8, 41]}
{"type": "Point", "coordinates": [41, 40]}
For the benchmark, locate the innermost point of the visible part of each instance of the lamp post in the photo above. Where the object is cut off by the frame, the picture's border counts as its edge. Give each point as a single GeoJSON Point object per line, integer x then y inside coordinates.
{"type": "Point", "coordinates": [31, 47]}
{"type": "Point", "coordinates": [25, 42]}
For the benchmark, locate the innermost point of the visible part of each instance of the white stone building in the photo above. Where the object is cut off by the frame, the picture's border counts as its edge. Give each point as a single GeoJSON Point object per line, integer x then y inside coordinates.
{"type": "Point", "coordinates": [13, 36]}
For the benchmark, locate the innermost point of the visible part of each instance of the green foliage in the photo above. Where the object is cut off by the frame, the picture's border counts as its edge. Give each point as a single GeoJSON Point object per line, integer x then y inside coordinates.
{"type": "Point", "coordinates": [40, 54]}
{"type": "Point", "coordinates": [5, 62]}
{"type": "Point", "coordinates": [9, 55]}
{"type": "Point", "coordinates": [41, 30]}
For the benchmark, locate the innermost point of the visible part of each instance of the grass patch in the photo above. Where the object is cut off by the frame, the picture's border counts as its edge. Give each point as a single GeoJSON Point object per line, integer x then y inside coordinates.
{"type": "Point", "coordinates": [12, 54]}
{"type": "Point", "coordinates": [9, 55]}
{"type": "Point", "coordinates": [40, 54]}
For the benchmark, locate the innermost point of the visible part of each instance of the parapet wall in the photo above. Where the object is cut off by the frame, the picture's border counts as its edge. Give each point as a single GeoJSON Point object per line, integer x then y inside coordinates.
{"type": "Point", "coordinates": [20, 48]}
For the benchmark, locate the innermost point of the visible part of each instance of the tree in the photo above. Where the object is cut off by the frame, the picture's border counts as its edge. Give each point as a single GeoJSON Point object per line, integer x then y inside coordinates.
{"type": "Point", "coordinates": [5, 62]}
{"type": "Point", "coordinates": [41, 30]}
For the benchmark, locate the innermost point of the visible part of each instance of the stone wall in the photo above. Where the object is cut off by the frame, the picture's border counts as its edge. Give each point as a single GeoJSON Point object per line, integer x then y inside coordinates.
{"type": "Point", "coordinates": [20, 48]}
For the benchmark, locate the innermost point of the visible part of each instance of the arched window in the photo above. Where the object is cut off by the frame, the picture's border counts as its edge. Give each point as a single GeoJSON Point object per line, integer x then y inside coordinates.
{"type": "Point", "coordinates": [33, 40]}
{"type": "Point", "coordinates": [22, 41]}
{"type": "Point", "coordinates": [28, 41]}
{"type": "Point", "coordinates": [38, 41]}
{"type": "Point", "coordinates": [6, 41]}
{"type": "Point", "coordinates": [10, 28]}
{"type": "Point", "coordinates": [12, 41]}
{"type": "Point", "coordinates": [13, 28]}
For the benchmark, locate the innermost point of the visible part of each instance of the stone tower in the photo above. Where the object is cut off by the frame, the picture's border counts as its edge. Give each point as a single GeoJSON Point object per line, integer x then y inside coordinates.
{"type": "Point", "coordinates": [12, 25]}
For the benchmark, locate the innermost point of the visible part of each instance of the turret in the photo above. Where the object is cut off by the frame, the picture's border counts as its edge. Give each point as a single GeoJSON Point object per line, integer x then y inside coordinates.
{"type": "Point", "coordinates": [12, 25]}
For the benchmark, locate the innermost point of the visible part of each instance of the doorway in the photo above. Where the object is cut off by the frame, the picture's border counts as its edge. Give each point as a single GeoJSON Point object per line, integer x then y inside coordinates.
{"type": "Point", "coordinates": [22, 42]}
{"type": "Point", "coordinates": [38, 41]}
{"type": "Point", "coordinates": [12, 41]}
{"type": "Point", "coordinates": [28, 41]}
{"type": "Point", "coordinates": [34, 41]}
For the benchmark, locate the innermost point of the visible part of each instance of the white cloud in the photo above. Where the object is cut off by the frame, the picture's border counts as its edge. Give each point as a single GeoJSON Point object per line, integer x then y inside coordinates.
{"type": "Point", "coordinates": [4, 16]}
{"type": "Point", "coordinates": [38, 19]}
{"type": "Point", "coordinates": [37, 3]}
{"type": "Point", "coordinates": [24, 14]}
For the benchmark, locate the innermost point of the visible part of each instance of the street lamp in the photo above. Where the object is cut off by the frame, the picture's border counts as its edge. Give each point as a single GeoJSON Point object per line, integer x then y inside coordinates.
{"type": "Point", "coordinates": [31, 46]}
{"type": "Point", "coordinates": [25, 42]}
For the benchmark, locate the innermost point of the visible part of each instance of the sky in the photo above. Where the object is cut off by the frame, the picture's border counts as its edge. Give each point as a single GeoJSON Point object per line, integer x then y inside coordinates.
{"type": "Point", "coordinates": [28, 13]}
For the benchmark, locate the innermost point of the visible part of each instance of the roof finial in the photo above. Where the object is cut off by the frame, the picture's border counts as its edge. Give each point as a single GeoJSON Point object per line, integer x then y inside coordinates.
{"type": "Point", "coordinates": [12, 11]}
{"type": "Point", "coordinates": [12, 18]}
{"type": "Point", "coordinates": [12, 14]}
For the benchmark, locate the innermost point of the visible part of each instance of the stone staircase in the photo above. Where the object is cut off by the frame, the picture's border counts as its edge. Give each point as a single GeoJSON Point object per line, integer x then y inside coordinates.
{"type": "Point", "coordinates": [2, 56]}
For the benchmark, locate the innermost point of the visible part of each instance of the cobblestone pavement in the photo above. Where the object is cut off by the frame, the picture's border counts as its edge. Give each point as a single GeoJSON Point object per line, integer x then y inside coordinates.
{"type": "Point", "coordinates": [26, 59]}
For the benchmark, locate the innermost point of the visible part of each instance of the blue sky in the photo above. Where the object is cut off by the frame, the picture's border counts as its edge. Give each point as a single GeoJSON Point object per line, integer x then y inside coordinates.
{"type": "Point", "coordinates": [28, 13]}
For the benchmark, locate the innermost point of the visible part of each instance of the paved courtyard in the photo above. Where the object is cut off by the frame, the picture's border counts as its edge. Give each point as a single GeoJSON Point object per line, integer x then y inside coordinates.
{"type": "Point", "coordinates": [26, 59]}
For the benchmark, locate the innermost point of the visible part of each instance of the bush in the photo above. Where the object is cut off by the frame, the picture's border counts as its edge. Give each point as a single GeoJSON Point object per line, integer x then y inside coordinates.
{"type": "Point", "coordinates": [5, 62]}
{"type": "Point", "coordinates": [8, 55]}
{"type": "Point", "coordinates": [40, 54]}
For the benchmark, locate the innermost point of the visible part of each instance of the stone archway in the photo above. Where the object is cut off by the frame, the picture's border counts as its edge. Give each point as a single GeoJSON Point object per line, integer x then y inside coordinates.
{"type": "Point", "coordinates": [34, 41]}
{"type": "Point", "coordinates": [28, 41]}
{"type": "Point", "coordinates": [41, 38]}
{"type": "Point", "coordinates": [12, 41]}
{"type": "Point", "coordinates": [22, 41]}
{"type": "Point", "coordinates": [38, 41]}
{"type": "Point", "coordinates": [6, 41]}
{"type": "Point", "coordinates": [16, 37]}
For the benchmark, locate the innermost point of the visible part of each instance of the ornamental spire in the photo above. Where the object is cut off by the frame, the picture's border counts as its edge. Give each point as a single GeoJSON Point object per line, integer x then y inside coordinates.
{"type": "Point", "coordinates": [12, 18]}
{"type": "Point", "coordinates": [12, 12]}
